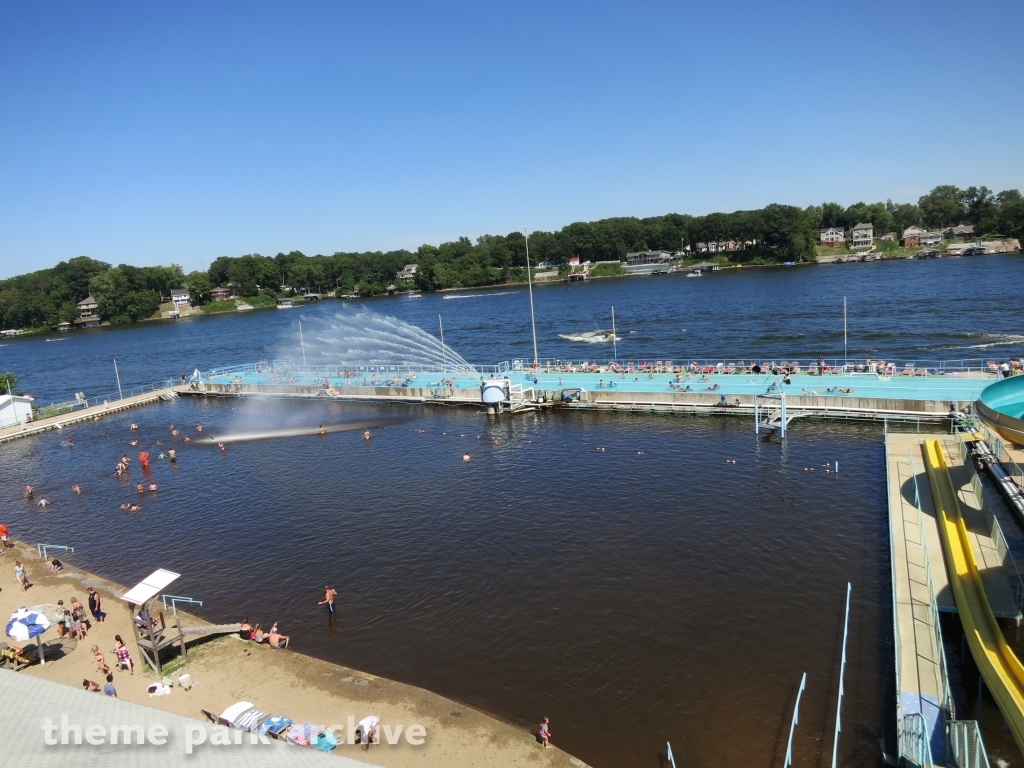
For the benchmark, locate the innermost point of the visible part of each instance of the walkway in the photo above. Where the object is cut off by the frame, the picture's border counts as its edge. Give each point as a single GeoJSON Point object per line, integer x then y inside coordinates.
{"type": "Point", "coordinates": [86, 414]}
{"type": "Point", "coordinates": [920, 589]}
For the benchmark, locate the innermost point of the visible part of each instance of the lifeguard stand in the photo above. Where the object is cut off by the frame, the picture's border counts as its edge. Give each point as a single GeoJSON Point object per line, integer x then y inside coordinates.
{"type": "Point", "coordinates": [150, 638]}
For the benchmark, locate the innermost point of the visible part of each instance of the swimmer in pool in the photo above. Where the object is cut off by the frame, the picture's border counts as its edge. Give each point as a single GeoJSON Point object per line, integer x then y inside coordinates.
{"type": "Point", "coordinates": [77, 490]}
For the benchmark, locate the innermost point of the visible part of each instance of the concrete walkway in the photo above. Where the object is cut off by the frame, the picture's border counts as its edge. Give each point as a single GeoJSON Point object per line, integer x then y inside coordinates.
{"type": "Point", "coordinates": [86, 414]}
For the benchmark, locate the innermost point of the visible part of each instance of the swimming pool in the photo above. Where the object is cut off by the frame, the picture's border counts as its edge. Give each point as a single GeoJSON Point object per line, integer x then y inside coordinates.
{"type": "Point", "coordinates": [950, 387]}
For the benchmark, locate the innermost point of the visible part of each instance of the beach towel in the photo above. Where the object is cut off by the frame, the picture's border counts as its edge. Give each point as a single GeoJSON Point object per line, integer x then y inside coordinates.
{"type": "Point", "coordinates": [248, 721]}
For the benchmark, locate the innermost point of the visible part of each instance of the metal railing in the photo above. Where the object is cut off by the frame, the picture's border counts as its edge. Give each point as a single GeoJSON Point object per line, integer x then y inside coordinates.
{"type": "Point", "coordinates": [842, 670]}
{"type": "Point", "coordinates": [995, 529]}
{"type": "Point", "coordinates": [668, 754]}
{"type": "Point", "coordinates": [737, 365]}
{"type": "Point", "coordinates": [59, 409]}
{"type": "Point", "coordinates": [914, 742]}
{"type": "Point", "coordinates": [966, 746]}
{"type": "Point", "coordinates": [794, 721]}
{"type": "Point", "coordinates": [175, 599]}
{"type": "Point", "coordinates": [995, 444]}
{"type": "Point", "coordinates": [43, 549]}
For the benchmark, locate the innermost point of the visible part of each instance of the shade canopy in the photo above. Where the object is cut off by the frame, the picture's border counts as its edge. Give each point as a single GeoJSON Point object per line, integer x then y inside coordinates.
{"type": "Point", "coordinates": [26, 624]}
{"type": "Point", "coordinates": [149, 587]}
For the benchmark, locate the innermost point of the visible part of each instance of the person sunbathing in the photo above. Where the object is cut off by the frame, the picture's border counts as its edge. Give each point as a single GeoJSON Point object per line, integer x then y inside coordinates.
{"type": "Point", "coordinates": [257, 635]}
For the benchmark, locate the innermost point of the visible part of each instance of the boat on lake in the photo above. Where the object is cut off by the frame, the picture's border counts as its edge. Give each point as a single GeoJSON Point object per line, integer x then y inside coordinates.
{"type": "Point", "coordinates": [285, 304]}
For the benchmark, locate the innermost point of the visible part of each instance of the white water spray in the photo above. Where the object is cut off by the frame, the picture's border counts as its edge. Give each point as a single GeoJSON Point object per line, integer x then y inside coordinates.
{"type": "Point", "coordinates": [366, 338]}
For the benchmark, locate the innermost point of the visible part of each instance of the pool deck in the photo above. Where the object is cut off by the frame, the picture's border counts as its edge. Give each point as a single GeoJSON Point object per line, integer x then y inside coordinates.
{"type": "Point", "coordinates": [839, 396]}
{"type": "Point", "coordinates": [920, 582]}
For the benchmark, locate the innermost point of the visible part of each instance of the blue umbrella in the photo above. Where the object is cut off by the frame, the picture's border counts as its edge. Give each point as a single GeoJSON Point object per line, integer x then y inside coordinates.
{"type": "Point", "coordinates": [26, 624]}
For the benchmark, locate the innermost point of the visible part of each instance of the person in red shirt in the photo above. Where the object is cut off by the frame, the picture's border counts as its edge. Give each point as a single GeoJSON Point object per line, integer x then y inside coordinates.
{"type": "Point", "coordinates": [3, 536]}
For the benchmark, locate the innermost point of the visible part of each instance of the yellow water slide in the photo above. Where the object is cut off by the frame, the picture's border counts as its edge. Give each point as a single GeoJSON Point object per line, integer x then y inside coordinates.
{"type": "Point", "coordinates": [1000, 667]}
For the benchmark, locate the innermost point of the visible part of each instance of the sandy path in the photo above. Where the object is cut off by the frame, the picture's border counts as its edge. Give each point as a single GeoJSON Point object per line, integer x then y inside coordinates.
{"type": "Point", "coordinates": [227, 670]}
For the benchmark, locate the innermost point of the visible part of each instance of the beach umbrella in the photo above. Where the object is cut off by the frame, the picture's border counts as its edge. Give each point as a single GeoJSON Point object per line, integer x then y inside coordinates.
{"type": "Point", "coordinates": [27, 623]}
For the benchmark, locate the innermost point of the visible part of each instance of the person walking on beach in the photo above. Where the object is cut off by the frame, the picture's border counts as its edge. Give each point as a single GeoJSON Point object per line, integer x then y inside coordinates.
{"type": "Point", "coordinates": [329, 595]}
{"type": "Point", "coordinates": [109, 688]}
{"type": "Point", "coordinates": [20, 576]}
{"type": "Point", "coordinates": [544, 733]}
{"type": "Point", "coordinates": [124, 658]}
{"type": "Point", "coordinates": [101, 663]}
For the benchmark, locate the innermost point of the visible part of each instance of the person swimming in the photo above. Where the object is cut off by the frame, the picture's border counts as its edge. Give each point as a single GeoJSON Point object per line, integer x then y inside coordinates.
{"type": "Point", "coordinates": [152, 486]}
{"type": "Point", "coordinates": [366, 435]}
{"type": "Point", "coordinates": [322, 431]}
{"type": "Point", "coordinates": [76, 489]}
{"type": "Point", "coordinates": [466, 457]}
{"type": "Point", "coordinates": [133, 508]}
{"type": "Point", "coordinates": [199, 428]}
{"type": "Point", "coordinates": [221, 446]}
{"type": "Point", "coordinates": [138, 487]}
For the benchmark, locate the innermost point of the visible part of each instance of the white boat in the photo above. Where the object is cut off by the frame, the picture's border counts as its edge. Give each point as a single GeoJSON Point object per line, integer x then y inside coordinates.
{"type": "Point", "coordinates": [285, 304]}
{"type": "Point", "coordinates": [416, 295]}
{"type": "Point", "coordinates": [243, 307]}
{"type": "Point", "coordinates": [695, 273]}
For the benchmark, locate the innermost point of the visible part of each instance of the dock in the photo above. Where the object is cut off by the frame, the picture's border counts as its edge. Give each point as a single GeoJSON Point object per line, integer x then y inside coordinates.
{"type": "Point", "coordinates": [88, 413]}
{"type": "Point", "coordinates": [921, 585]}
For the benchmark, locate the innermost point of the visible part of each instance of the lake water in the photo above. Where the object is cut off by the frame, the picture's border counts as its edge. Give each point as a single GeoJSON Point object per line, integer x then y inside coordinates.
{"type": "Point", "coordinates": [642, 593]}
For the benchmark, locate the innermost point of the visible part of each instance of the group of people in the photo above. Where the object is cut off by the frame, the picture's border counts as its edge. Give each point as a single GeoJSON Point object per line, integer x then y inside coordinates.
{"type": "Point", "coordinates": [72, 622]}
{"type": "Point", "coordinates": [255, 633]}
{"type": "Point", "coordinates": [123, 662]}
{"type": "Point", "coordinates": [1012, 367]}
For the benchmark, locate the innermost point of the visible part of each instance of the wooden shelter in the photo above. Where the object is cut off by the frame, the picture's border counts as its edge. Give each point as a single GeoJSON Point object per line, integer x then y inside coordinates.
{"type": "Point", "coordinates": [152, 634]}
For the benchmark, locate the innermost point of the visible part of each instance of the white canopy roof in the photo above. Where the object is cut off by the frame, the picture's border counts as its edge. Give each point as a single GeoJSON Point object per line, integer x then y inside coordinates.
{"type": "Point", "coordinates": [149, 587]}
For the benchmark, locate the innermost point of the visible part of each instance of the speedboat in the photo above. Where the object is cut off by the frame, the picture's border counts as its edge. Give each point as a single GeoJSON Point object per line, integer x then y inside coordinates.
{"type": "Point", "coordinates": [285, 304]}
{"type": "Point", "coordinates": [695, 273]}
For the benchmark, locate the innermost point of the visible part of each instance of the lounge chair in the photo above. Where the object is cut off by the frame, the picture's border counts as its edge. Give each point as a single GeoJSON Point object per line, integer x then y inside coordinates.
{"type": "Point", "coordinates": [274, 726]}
{"type": "Point", "coordinates": [795, 366]}
{"type": "Point", "coordinates": [921, 372]}
{"type": "Point", "coordinates": [908, 370]}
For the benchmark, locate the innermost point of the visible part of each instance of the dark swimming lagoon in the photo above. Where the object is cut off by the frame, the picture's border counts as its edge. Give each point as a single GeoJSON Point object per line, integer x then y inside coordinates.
{"type": "Point", "coordinates": [643, 593]}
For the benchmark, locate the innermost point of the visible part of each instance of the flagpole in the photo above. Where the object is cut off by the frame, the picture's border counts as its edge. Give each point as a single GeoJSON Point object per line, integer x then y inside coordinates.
{"type": "Point", "coordinates": [444, 356]}
{"type": "Point", "coordinates": [529, 283]}
{"type": "Point", "coordinates": [615, 348]}
{"type": "Point", "coordinates": [845, 356]}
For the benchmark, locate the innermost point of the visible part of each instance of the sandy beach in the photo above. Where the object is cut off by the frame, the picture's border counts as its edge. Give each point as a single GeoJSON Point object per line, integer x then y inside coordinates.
{"type": "Point", "coordinates": [227, 669]}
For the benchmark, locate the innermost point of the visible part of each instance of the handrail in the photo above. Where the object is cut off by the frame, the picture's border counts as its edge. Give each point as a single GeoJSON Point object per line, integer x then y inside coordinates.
{"type": "Point", "coordinates": [842, 670]}
{"type": "Point", "coordinates": [178, 598]}
{"type": "Point", "coordinates": [794, 721]}
{"type": "Point", "coordinates": [966, 744]}
{"type": "Point", "coordinates": [42, 548]}
{"type": "Point", "coordinates": [671, 758]}
{"type": "Point", "coordinates": [914, 745]}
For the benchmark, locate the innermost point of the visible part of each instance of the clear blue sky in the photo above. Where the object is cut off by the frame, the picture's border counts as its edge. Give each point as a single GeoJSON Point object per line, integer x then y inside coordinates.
{"type": "Point", "coordinates": [150, 133]}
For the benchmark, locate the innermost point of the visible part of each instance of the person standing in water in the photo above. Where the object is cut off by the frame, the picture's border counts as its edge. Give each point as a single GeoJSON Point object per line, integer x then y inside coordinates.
{"type": "Point", "coordinates": [329, 595]}
{"type": "Point", "coordinates": [322, 431]}
{"type": "Point", "coordinates": [366, 435]}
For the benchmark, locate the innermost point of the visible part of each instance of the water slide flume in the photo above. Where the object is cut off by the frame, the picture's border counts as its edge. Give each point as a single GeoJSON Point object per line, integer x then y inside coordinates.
{"type": "Point", "coordinates": [1001, 407]}
{"type": "Point", "coordinates": [305, 430]}
{"type": "Point", "coordinates": [1002, 670]}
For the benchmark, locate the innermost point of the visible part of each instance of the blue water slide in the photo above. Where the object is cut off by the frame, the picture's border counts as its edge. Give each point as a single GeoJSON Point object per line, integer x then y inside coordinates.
{"type": "Point", "coordinates": [1001, 407]}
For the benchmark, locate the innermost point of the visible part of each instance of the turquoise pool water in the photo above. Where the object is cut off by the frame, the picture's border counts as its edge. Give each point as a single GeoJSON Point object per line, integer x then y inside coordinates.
{"type": "Point", "coordinates": [1006, 396]}
{"type": "Point", "coordinates": [896, 387]}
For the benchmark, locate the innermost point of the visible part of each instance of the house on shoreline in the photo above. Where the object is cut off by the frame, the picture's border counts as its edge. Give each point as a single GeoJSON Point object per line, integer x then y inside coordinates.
{"type": "Point", "coordinates": [88, 316]}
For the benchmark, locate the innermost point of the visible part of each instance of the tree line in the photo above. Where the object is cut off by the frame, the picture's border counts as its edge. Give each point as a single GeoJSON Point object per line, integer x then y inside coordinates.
{"type": "Point", "coordinates": [773, 234]}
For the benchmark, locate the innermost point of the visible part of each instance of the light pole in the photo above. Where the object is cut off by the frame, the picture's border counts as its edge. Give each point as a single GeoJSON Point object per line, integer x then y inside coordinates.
{"type": "Point", "coordinates": [529, 283]}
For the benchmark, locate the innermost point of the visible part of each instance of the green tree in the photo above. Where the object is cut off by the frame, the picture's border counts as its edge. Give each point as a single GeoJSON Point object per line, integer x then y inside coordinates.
{"type": "Point", "coordinates": [943, 207]}
{"type": "Point", "coordinates": [198, 284]}
{"type": "Point", "coordinates": [109, 290]}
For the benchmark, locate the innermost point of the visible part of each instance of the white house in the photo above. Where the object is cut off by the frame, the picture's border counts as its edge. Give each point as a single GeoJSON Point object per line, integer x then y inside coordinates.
{"type": "Point", "coordinates": [408, 273]}
{"type": "Point", "coordinates": [862, 235]}
{"type": "Point", "coordinates": [832, 237]}
{"type": "Point", "coordinates": [931, 239]}
{"type": "Point", "coordinates": [15, 409]}
{"type": "Point", "coordinates": [180, 297]}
